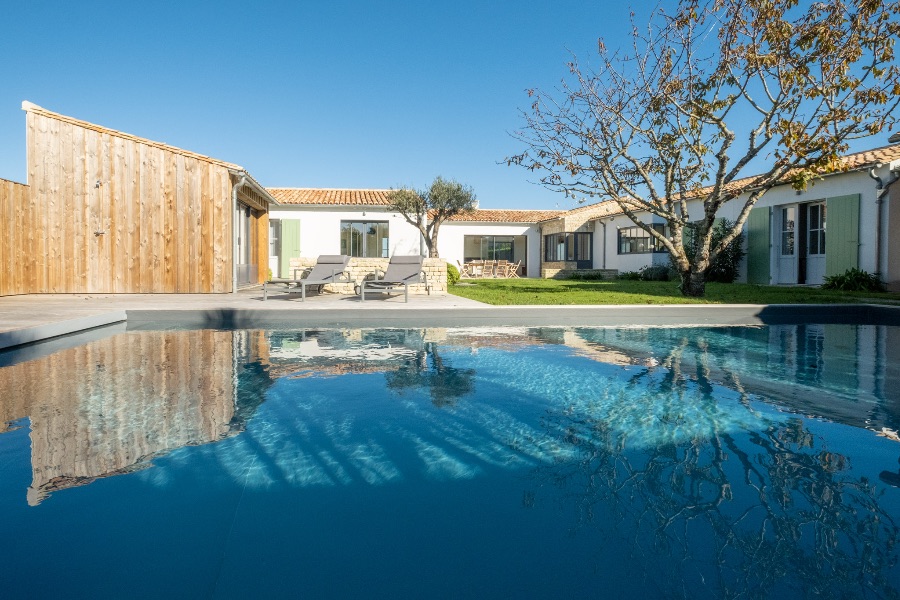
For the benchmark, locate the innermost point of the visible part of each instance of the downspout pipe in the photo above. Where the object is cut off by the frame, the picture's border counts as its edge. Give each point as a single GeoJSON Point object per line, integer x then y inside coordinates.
{"type": "Point", "coordinates": [881, 189]}
{"type": "Point", "coordinates": [602, 222]}
{"type": "Point", "coordinates": [242, 179]}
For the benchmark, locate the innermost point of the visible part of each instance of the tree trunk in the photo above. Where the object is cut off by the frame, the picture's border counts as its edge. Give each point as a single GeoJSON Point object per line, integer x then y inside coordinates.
{"type": "Point", "coordinates": [693, 283]}
{"type": "Point", "coordinates": [432, 245]}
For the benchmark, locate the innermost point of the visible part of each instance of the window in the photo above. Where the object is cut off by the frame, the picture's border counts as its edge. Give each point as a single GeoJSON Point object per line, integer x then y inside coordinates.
{"type": "Point", "coordinates": [493, 247]}
{"type": "Point", "coordinates": [787, 231]}
{"type": "Point", "coordinates": [816, 229]}
{"type": "Point", "coordinates": [568, 247]}
{"type": "Point", "coordinates": [365, 239]}
{"type": "Point", "coordinates": [634, 240]}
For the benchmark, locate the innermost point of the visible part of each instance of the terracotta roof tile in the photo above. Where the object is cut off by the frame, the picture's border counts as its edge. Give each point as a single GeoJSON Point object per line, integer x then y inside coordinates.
{"type": "Point", "coordinates": [330, 197]}
{"type": "Point", "coordinates": [866, 158]}
{"type": "Point", "coordinates": [852, 162]}
{"type": "Point", "coordinates": [506, 216]}
{"type": "Point", "coordinates": [342, 197]}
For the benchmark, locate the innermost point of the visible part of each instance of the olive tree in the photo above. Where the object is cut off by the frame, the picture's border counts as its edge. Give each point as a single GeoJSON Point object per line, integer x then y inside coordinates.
{"type": "Point", "coordinates": [427, 209]}
{"type": "Point", "coordinates": [710, 90]}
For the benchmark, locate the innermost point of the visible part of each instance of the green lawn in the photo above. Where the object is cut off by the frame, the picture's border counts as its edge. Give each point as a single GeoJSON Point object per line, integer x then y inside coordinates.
{"type": "Point", "coordinates": [553, 291]}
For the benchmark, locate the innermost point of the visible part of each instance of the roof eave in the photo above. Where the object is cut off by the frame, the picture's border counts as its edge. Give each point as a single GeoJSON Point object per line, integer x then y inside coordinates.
{"type": "Point", "coordinates": [254, 184]}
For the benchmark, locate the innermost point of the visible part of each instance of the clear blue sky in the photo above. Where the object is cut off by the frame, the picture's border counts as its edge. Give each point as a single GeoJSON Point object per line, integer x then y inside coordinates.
{"type": "Point", "coordinates": [330, 93]}
{"type": "Point", "coordinates": [339, 93]}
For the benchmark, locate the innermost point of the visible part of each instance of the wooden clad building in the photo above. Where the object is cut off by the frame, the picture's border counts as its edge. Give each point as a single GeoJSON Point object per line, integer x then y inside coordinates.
{"type": "Point", "coordinates": [109, 212]}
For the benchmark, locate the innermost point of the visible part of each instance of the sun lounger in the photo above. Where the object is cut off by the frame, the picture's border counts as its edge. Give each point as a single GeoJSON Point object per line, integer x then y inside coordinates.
{"type": "Point", "coordinates": [402, 271]}
{"type": "Point", "coordinates": [329, 268]}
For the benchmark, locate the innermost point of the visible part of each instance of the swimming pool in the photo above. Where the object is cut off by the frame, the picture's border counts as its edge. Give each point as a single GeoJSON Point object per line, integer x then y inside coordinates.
{"type": "Point", "coordinates": [449, 463]}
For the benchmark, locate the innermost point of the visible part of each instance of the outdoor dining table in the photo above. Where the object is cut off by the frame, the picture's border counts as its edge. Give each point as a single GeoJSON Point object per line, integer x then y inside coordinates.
{"type": "Point", "coordinates": [490, 268]}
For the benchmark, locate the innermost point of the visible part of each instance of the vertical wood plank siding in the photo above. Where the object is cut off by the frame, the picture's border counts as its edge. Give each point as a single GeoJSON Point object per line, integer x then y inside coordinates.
{"type": "Point", "coordinates": [15, 211]}
{"type": "Point", "coordinates": [108, 213]}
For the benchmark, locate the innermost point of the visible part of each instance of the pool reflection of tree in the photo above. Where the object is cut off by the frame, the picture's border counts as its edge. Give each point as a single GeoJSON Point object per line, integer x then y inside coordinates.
{"type": "Point", "coordinates": [780, 512]}
{"type": "Point", "coordinates": [428, 370]}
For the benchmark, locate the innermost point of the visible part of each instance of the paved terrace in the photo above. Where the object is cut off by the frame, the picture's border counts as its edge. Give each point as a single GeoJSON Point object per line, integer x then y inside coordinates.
{"type": "Point", "coordinates": [32, 318]}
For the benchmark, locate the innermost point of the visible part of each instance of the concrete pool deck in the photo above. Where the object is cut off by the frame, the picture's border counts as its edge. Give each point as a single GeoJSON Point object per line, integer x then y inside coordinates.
{"type": "Point", "coordinates": [32, 318]}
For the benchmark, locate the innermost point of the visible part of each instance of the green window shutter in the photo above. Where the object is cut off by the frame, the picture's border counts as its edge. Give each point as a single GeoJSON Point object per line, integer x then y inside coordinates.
{"type": "Point", "coordinates": [290, 245]}
{"type": "Point", "coordinates": [842, 239]}
{"type": "Point", "coordinates": [759, 241]}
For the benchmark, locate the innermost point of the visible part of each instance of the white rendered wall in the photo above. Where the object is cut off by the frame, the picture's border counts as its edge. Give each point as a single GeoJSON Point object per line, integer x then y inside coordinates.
{"type": "Point", "coordinates": [614, 260]}
{"type": "Point", "coordinates": [450, 241]}
{"type": "Point", "coordinates": [820, 189]}
{"type": "Point", "coordinates": [320, 227]}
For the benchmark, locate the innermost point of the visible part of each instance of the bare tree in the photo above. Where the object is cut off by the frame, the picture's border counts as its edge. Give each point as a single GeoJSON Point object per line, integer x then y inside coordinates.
{"type": "Point", "coordinates": [428, 209]}
{"type": "Point", "coordinates": [703, 92]}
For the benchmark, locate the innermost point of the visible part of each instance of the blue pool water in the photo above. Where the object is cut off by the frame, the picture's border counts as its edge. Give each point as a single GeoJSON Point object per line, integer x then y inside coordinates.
{"type": "Point", "coordinates": [455, 463]}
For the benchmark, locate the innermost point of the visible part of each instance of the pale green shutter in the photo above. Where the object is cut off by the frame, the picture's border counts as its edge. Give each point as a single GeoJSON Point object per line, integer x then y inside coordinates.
{"type": "Point", "coordinates": [290, 245]}
{"type": "Point", "coordinates": [759, 241]}
{"type": "Point", "coordinates": [842, 238]}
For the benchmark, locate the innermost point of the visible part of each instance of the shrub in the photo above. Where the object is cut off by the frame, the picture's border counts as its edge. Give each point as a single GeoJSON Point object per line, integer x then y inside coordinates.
{"type": "Point", "coordinates": [854, 280]}
{"type": "Point", "coordinates": [655, 273]}
{"type": "Point", "coordinates": [452, 275]}
{"type": "Point", "coordinates": [725, 268]}
{"type": "Point", "coordinates": [629, 276]}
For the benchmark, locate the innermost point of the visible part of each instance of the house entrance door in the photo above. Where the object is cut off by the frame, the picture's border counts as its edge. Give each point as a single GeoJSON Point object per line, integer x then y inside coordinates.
{"type": "Point", "coordinates": [243, 251]}
{"type": "Point", "coordinates": [786, 244]}
{"type": "Point", "coordinates": [815, 243]}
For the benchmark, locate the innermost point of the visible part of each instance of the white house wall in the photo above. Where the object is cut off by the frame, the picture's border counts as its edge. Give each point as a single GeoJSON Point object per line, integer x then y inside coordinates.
{"type": "Point", "coordinates": [450, 241]}
{"type": "Point", "coordinates": [609, 239]}
{"type": "Point", "coordinates": [320, 227]}
{"type": "Point", "coordinates": [819, 189]}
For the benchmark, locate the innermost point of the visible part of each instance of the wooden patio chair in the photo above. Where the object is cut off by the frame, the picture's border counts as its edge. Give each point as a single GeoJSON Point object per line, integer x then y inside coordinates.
{"type": "Point", "coordinates": [502, 269]}
{"type": "Point", "coordinates": [464, 270]}
{"type": "Point", "coordinates": [512, 271]}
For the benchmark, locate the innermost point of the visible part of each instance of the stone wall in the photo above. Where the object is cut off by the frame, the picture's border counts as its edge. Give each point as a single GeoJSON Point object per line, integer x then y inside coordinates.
{"type": "Point", "coordinates": [560, 271]}
{"type": "Point", "coordinates": [435, 270]}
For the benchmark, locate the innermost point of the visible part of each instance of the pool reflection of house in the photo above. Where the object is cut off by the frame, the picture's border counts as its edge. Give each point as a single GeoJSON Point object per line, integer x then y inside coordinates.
{"type": "Point", "coordinates": [838, 372]}
{"type": "Point", "coordinates": [134, 396]}
{"type": "Point", "coordinates": [139, 395]}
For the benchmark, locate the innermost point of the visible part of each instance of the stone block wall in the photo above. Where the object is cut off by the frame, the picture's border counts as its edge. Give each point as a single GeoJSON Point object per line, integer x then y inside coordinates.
{"type": "Point", "coordinates": [557, 272]}
{"type": "Point", "coordinates": [435, 270]}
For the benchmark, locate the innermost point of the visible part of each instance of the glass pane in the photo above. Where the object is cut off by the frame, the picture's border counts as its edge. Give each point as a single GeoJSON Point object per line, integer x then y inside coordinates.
{"type": "Point", "coordinates": [274, 237]}
{"type": "Point", "coordinates": [372, 247]}
{"type": "Point", "coordinates": [345, 238]}
{"type": "Point", "coordinates": [787, 243]}
{"type": "Point", "coordinates": [471, 247]}
{"type": "Point", "coordinates": [487, 247]}
{"type": "Point", "coordinates": [383, 238]}
{"type": "Point", "coordinates": [503, 247]}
